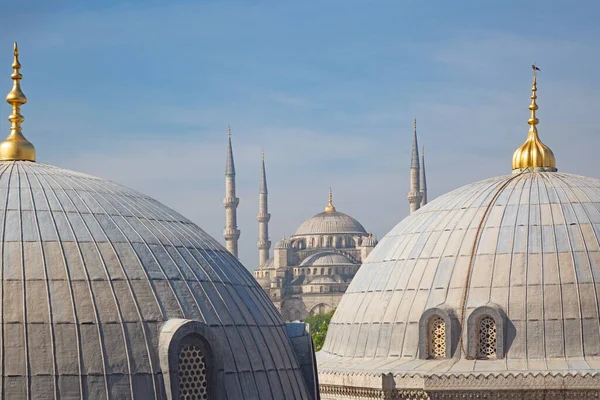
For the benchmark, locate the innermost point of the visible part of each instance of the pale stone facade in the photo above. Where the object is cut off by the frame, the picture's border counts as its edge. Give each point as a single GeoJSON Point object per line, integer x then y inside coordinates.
{"type": "Point", "coordinates": [311, 270]}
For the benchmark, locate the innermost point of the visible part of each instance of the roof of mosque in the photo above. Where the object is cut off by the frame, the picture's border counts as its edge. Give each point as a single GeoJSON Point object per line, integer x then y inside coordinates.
{"type": "Point", "coordinates": [88, 264]}
{"type": "Point", "coordinates": [527, 244]}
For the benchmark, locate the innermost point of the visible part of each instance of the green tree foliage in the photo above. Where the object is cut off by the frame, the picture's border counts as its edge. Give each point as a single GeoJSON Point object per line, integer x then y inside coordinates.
{"type": "Point", "coordinates": [318, 328]}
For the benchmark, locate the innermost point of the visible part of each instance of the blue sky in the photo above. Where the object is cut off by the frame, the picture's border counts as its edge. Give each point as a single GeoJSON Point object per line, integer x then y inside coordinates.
{"type": "Point", "coordinates": [141, 93]}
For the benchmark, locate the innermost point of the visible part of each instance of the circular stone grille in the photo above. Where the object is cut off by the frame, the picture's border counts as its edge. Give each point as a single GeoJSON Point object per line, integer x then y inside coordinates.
{"type": "Point", "coordinates": [437, 337]}
{"type": "Point", "coordinates": [192, 374]}
{"type": "Point", "coordinates": [487, 337]}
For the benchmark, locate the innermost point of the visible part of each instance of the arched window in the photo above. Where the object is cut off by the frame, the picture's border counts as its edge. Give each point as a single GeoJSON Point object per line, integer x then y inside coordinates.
{"type": "Point", "coordinates": [436, 346]}
{"type": "Point", "coordinates": [308, 271]}
{"type": "Point", "coordinates": [187, 360]}
{"type": "Point", "coordinates": [436, 337]}
{"type": "Point", "coordinates": [486, 337]}
{"type": "Point", "coordinates": [193, 381]}
{"type": "Point", "coordinates": [315, 271]}
{"type": "Point", "coordinates": [312, 242]}
{"type": "Point", "coordinates": [321, 289]}
{"type": "Point", "coordinates": [322, 271]}
{"type": "Point", "coordinates": [329, 271]}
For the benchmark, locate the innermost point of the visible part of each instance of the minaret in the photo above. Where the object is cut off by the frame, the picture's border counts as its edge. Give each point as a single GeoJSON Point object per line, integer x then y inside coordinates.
{"type": "Point", "coordinates": [423, 179]}
{"type": "Point", "coordinates": [414, 196]}
{"type": "Point", "coordinates": [230, 202]}
{"type": "Point", "coordinates": [15, 147]}
{"type": "Point", "coordinates": [263, 217]}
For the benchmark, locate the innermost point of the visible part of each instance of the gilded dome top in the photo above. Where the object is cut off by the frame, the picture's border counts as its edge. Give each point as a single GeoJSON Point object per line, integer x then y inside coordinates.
{"type": "Point", "coordinates": [533, 153]}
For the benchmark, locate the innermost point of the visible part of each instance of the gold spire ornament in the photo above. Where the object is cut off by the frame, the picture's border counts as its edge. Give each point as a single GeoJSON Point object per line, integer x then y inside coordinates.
{"type": "Point", "coordinates": [330, 208]}
{"type": "Point", "coordinates": [15, 147]}
{"type": "Point", "coordinates": [533, 154]}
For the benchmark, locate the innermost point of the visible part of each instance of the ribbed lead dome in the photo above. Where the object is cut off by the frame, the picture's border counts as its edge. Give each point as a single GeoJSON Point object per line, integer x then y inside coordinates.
{"type": "Point", "coordinates": [533, 243]}
{"type": "Point", "coordinates": [90, 273]}
{"type": "Point", "coordinates": [330, 222]}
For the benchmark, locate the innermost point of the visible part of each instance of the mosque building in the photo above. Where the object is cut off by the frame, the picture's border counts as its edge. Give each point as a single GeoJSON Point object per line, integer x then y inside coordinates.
{"type": "Point", "coordinates": [108, 294]}
{"type": "Point", "coordinates": [490, 292]}
{"type": "Point", "coordinates": [310, 271]}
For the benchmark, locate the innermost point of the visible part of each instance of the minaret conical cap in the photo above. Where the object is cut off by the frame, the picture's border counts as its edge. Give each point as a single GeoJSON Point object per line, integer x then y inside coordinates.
{"type": "Point", "coordinates": [229, 164]}
{"type": "Point", "coordinates": [533, 153]}
{"type": "Point", "coordinates": [15, 147]}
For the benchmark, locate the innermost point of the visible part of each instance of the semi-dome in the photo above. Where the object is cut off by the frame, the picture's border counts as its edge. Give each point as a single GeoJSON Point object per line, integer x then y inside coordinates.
{"type": "Point", "coordinates": [325, 259]}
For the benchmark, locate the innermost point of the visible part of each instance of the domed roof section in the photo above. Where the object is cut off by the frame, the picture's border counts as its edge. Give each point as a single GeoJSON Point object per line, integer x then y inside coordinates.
{"type": "Point", "coordinates": [322, 280]}
{"type": "Point", "coordinates": [283, 244]}
{"type": "Point", "coordinates": [330, 223]}
{"type": "Point", "coordinates": [528, 244]}
{"type": "Point", "coordinates": [369, 241]}
{"type": "Point", "coordinates": [325, 259]}
{"type": "Point", "coordinates": [91, 272]}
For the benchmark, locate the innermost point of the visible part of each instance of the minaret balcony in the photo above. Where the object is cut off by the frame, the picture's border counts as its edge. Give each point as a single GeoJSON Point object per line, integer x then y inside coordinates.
{"type": "Point", "coordinates": [231, 234]}
{"type": "Point", "coordinates": [263, 244]}
{"type": "Point", "coordinates": [414, 197]}
{"type": "Point", "coordinates": [229, 202]}
{"type": "Point", "coordinates": [263, 217]}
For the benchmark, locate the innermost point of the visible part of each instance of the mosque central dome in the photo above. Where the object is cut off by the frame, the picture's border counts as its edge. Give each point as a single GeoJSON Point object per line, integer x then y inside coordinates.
{"type": "Point", "coordinates": [330, 222]}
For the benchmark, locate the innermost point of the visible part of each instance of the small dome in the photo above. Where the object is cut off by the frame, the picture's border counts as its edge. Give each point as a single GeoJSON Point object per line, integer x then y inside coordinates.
{"type": "Point", "coordinates": [369, 241]}
{"type": "Point", "coordinates": [331, 222]}
{"type": "Point", "coordinates": [283, 244]}
{"type": "Point", "coordinates": [326, 259]}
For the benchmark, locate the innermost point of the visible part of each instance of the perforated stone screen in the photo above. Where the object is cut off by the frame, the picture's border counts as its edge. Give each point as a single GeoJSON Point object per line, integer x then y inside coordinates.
{"type": "Point", "coordinates": [437, 337]}
{"type": "Point", "coordinates": [193, 384]}
{"type": "Point", "coordinates": [487, 338]}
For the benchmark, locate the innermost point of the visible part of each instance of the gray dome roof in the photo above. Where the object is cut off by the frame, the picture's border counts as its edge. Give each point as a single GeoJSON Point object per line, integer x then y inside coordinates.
{"type": "Point", "coordinates": [330, 222]}
{"type": "Point", "coordinates": [325, 259]}
{"type": "Point", "coordinates": [91, 271]}
{"type": "Point", "coordinates": [537, 258]}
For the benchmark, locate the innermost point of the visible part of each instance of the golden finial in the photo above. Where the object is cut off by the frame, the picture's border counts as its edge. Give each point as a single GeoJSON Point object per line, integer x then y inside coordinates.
{"type": "Point", "coordinates": [228, 130]}
{"type": "Point", "coordinates": [330, 208]}
{"type": "Point", "coordinates": [263, 156]}
{"type": "Point", "coordinates": [15, 146]}
{"type": "Point", "coordinates": [415, 124]}
{"type": "Point", "coordinates": [533, 153]}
